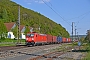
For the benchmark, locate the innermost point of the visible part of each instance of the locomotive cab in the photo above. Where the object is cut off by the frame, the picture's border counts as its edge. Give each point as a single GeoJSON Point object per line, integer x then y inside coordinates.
{"type": "Point", "coordinates": [30, 39]}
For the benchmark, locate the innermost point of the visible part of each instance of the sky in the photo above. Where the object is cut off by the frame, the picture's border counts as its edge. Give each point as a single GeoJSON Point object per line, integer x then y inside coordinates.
{"type": "Point", "coordinates": [63, 12]}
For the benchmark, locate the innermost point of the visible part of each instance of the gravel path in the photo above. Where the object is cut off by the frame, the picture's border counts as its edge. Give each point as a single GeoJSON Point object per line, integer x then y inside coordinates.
{"type": "Point", "coordinates": [19, 54]}
{"type": "Point", "coordinates": [32, 52]}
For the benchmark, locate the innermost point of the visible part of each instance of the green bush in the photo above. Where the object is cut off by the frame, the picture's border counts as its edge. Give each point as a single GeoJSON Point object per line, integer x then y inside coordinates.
{"type": "Point", "coordinates": [2, 38]}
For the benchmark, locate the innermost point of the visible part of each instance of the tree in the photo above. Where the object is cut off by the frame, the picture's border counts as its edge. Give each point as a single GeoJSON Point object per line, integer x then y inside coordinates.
{"type": "Point", "coordinates": [27, 29]}
{"type": "Point", "coordinates": [4, 15]}
{"type": "Point", "coordinates": [3, 29]}
{"type": "Point", "coordinates": [88, 36]}
{"type": "Point", "coordinates": [82, 39]}
{"type": "Point", "coordinates": [9, 13]}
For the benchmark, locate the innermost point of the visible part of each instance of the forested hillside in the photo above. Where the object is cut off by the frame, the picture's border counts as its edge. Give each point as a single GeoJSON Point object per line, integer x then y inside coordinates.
{"type": "Point", "coordinates": [9, 13]}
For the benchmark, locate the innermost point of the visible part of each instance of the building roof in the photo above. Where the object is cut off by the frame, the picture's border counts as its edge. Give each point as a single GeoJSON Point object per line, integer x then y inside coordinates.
{"type": "Point", "coordinates": [22, 27]}
{"type": "Point", "coordinates": [9, 25]}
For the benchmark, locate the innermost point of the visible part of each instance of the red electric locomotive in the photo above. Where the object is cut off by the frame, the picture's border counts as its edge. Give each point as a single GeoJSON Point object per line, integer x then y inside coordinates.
{"type": "Point", "coordinates": [35, 38]}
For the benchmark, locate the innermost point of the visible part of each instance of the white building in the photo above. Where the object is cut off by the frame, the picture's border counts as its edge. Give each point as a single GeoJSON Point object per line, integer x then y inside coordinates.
{"type": "Point", "coordinates": [10, 34]}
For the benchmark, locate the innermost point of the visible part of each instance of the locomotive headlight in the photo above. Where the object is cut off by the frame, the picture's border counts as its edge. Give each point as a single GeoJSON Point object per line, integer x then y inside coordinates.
{"type": "Point", "coordinates": [26, 38]}
{"type": "Point", "coordinates": [32, 38]}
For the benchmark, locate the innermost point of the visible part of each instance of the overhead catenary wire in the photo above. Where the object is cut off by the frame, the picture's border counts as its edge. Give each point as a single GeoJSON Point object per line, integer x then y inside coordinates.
{"type": "Point", "coordinates": [56, 12]}
{"type": "Point", "coordinates": [80, 15]}
{"type": "Point", "coordinates": [63, 18]}
{"type": "Point", "coordinates": [83, 17]}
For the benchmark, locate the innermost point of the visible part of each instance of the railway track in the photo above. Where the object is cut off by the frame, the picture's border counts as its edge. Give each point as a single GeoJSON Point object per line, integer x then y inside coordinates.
{"type": "Point", "coordinates": [52, 55]}
{"type": "Point", "coordinates": [46, 52]}
{"type": "Point", "coordinates": [48, 56]}
{"type": "Point", "coordinates": [67, 54]}
{"type": "Point", "coordinates": [6, 48]}
{"type": "Point", "coordinates": [10, 52]}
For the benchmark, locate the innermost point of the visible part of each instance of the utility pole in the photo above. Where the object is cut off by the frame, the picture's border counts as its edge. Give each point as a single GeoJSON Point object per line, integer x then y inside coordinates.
{"type": "Point", "coordinates": [72, 31]}
{"type": "Point", "coordinates": [77, 36]}
{"type": "Point", "coordinates": [18, 33]}
{"type": "Point", "coordinates": [75, 33]}
{"type": "Point", "coordinates": [88, 34]}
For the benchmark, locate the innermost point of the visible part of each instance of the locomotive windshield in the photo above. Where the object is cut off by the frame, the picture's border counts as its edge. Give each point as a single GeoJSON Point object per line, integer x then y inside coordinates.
{"type": "Point", "coordinates": [30, 35]}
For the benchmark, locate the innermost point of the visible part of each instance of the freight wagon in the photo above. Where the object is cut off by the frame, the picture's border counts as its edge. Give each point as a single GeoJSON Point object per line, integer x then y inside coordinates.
{"type": "Point", "coordinates": [54, 39]}
{"type": "Point", "coordinates": [49, 39]}
{"type": "Point", "coordinates": [59, 39]}
{"type": "Point", "coordinates": [39, 39]}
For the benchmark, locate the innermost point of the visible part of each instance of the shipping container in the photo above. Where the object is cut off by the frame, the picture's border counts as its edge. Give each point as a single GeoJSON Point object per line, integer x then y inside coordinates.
{"type": "Point", "coordinates": [59, 39]}
{"type": "Point", "coordinates": [69, 39]}
{"type": "Point", "coordinates": [49, 38]}
{"type": "Point", "coordinates": [54, 39]}
{"type": "Point", "coordinates": [64, 40]}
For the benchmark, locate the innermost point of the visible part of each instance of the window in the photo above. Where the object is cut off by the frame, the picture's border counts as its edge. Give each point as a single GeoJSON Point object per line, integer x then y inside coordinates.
{"type": "Point", "coordinates": [30, 35]}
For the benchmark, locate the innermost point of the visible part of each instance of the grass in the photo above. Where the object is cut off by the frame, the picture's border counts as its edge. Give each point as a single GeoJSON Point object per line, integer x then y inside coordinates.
{"type": "Point", "coordinates": [87, 56]}
{"type": "Point", "coordinates": [9, 42]}
{"type": "Point", "coordinates": [85, 49]}
{"type": "Point", "coordinates": [63, 47]}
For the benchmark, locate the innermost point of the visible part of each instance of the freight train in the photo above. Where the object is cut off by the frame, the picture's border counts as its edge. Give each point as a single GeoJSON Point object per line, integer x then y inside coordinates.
{"type": "Point", "coordinates": [38, 39]}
